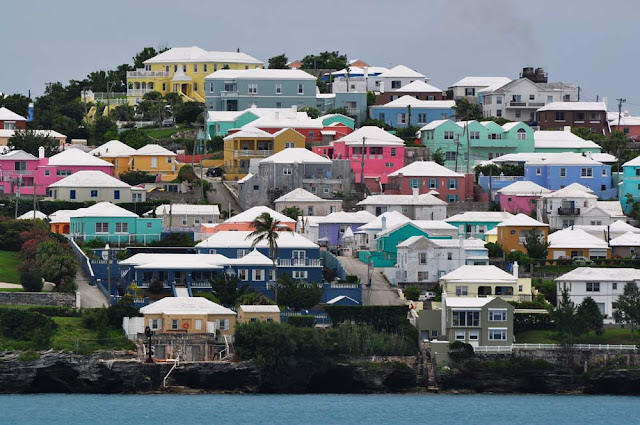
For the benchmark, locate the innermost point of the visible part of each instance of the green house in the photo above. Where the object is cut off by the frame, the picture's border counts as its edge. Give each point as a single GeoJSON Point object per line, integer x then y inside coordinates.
{"type": "Point", "coordinates": [220, 122]}
{"type": "Point", "coordinates": [329, 119]}
{"type": "Point", "coordinates": [109, 223]}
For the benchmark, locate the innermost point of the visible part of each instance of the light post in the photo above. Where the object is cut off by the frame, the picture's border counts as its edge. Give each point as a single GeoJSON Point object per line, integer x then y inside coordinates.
{"type": "Point", "coordinates": [108, 258]}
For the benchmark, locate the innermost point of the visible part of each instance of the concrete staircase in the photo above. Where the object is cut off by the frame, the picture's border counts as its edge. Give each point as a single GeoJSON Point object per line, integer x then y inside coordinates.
{"type": "Point", "coordinates": [426, 365]}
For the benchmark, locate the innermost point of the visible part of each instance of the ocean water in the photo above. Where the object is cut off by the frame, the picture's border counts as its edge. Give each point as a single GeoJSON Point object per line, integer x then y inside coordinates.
{"type": "Point", "coordinates": [325, 409]}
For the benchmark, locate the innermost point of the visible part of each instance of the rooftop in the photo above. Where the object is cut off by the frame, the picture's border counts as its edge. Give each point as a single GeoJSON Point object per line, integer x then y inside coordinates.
{"type": "Point", "coordinates": [482, 82]}
{"type": "Point", "coordinates": [113, 148]}
{"type": "Point", "coordinates": [71, 157]}
{"type": "Point", "coordinates": [187, 209]}
{"type": "Point", "coordinates": [600, 274]}
{"type": "Point", "coordinates": [574, 106]}
{"type": "Point", "coordinates": [391, 218]}
{"type": "Point", "coordinates": [241, 239]}
{"type": "Point", "coordinates": [29, 215]}
{"type": "Point", "coordinates": [407, 100]}
{"type": "Point", "coordinates": [574, 190]}
{"type": "Point", "coordinates": [468, 302]}
{"type": "Point", "coordinates": [575, 238]}
{"type": "Point", "coordinates": [185, 305]}
{"type": "Point", "coordinates": [299, 195]}
{"type": "Point", "coordinates": [90, 178]}
{"type": "Point", "coordinates": [18, 155]}
{"type": "Point", "coordinates": [196, 54]}
{"type": "Point", "coordinates": [488, 216]}
{"type": "Point", "coordinates": [296, 156]}
{"type": "Point", "coordinates": [425, 169]}
{"type": "Point", "coordinates": [249, 131]}
{"type": "Point", "coordinates": [437, 123]}
{"type": "Point", "coordinates": [102, 209]}
{"type": "Point", "coordinates": [479, 274]}
{"type": "Point", "coordinates": [8, 115]}
{"type": "Point", "coordinates": [627, 239]}
{"type": "Point", "coordinates": [261, 74]}
{"type": "Point", "coordinates": [373, 136]}
{"type": "Point", "coordinates": [401, 71]}
{"type": "Point", "coordinates": [252, 213]}
{"type": "Point", "coordinates": [343, 217]}
{"type": "Point", "coordinates": [417, 86]}
{"type": "Point", "coordinates": [260, 308]}
{"type": "Point", "coordinates": [522, 220]}
{"type": "Point", "coordinates": [524, 188]}
{"type": "Point", "coordinates": [561, 140]}
{"type": "Point", "coordinates": [154, 149]}
{"type": "Point", "coordinates": [424, 199]}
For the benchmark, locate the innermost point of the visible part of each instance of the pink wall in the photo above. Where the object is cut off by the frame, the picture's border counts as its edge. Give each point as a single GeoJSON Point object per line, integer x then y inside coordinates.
{"type": "Point", "coordinates": [634, 130]}
{"type": "Point", "coordinates": [340, 130]}
{"type": "Point", "coordinates": [401, 185]}
{"type": "Point", "coordinates": [517, 204]}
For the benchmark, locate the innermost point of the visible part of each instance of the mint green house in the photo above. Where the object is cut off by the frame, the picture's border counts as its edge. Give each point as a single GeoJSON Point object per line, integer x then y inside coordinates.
{"type": "Point", "coordinates": [486, 140]}
{"type": "Point", "coordinates": [475, 224]}
{"type": "Point", "coordinates": [329, 119]}
{"type": "Point", "coordinates": [112, 224]}
{"type": "Point", "coordinates": [220, 122]}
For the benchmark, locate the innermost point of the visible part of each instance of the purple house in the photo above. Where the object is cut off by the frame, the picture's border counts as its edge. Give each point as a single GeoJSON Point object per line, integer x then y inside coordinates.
{"type": "Point", "coordinates": [332, 227]}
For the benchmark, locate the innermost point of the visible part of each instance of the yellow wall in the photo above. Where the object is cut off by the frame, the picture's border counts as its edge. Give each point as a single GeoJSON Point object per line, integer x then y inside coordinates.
{"type": "Point", "coordinates": [190, 320]}
{"type": "Point", "coordinates": [244, 317]}
{"type": "Point", "coordinates": [143, 163]}
{"type": "Point", "coordinates": [566, 252]}
{"type": "Point", "coordinates": [511, 242]}
{"type": "Point", "coordinates": [289, 135]}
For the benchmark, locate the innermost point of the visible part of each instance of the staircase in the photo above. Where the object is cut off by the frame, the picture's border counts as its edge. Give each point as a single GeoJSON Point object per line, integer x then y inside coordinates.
{"type": "Point", "coordinates": [426, 365]}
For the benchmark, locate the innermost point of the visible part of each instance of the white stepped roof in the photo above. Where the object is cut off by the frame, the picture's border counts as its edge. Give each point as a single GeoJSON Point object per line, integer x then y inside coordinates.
{"type": "Point", "coordinates": [153, 150]}
{"type": "Point", "coordinates": [524, 188]}
{"type": "Point", "coordinates": [561, 140]}
{"type": "Point", "coordinates": [601, 274]}
{"type": "Point", "coordinates": [482, 82]}
{"type": "Point", "coordinates": [19, 155]}
{"type": "Point", "coordinates": [425, 169]}
{"type": "Point", "coordinates": [49, 133]}
{"type": "Point", "coordinates": [391, 218]}
{"type": "Point", "coordinates": [489, 216]}
{"type": "Point", "coordinates": [627, 239]}
{"type": "Point", "coordinates": [401, 71]}
{"type": "Point", "coordinates": [8, 115]}
{"type": "Point", "coordinates": [249, 131]}
{"type": "Point", "coordinates": [343, 217]}
{"type": "Point", "coordinates": [185, 305]}
{"type": "Point", "coordinates": [574, 106]}
{"type": "Point", "coordinates": [177, 261]}
{"type": "Point", "coordinates": [259, 308]}
{"type": "Point", "coordinates": [29, 215]}
{"type": "Point", "coordinates": [76, 157]}
{"type": "Point", "coordinates": [102, 209]}
{"type": "Point", "coordinates": [522, 220]}
{"type": "Point", "coordinates": [112, 149]}
{"type": "Point", "coordinates": [253, 213]}
{"type": "Point", "coordinates": [299, 195]}
{"type": "Point", "coordinates": [468, 302]}
{"type": "Point", "coordinates": [90, 178]}
{"type": "Point", "coordinates": [575, 238]}
{"type": "Point", "coordinates": [437, 123]}
{"type": "Point", "coordinates": [574, 190]}
{"type": "Point", "coordinates": [296, 156]}
{"type": "Point", "coordinates": [622, 226]}
{"type": "Point", "coordinates": [196, 54]}
{"type": "Point", "coordinates": [424, 199]}
{"type": "Point", "coordinates": [374, 136]}
{"type": "Point", "coordinates": [261, 74]}
{"type": "Point", "coordinates": [187, 209]}
{"type": "Point", "coordinates": [563, 158]}
{"type": "Point", "coordinates": [61, 216]}
{"type": "Point", "coordinates": [407, 100]}
{"type": "Point", "coordinates": [479, 274]}
{"type": "Point", "coordinates": [241, 239]}
{"type": "Point", "coordinates": [254, 258]}
{"type": "Point", "coordinates": [426, 225]}
{"type": "Point", "coordinates": [635, 162]}
{"type": "Point", "coordinates": [417, 86]}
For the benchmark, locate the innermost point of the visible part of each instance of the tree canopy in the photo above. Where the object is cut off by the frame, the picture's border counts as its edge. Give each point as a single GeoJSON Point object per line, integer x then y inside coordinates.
{"type": "Point", "coordinates": [298, 295]}
{"type": "Point", "coordinates": [536, 244]}
{"type": "Point", "coordinates": [325, 60]}
{"type": "Point", "coordinates": [628, 304]}
{"type": "Point", "coordinates": [278, 62]}
{"type": "Point", "coordinates": [30, 141]}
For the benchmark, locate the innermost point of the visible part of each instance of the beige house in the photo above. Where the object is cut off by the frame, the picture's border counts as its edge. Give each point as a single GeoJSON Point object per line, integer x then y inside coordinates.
{"type": "Point", "coordinates": [93, 185]}
{"type": "Point", "coordinates": [254, 313]}
{"type": "Point", "coordinates": [484, 281]}
{"type": "Point", "coordinates": [308, 203]}
{"type": "Point", "coordinates": [187, 215]}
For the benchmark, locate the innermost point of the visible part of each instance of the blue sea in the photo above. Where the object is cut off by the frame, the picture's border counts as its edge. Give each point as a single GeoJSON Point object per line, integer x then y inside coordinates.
{"type": "Point", "coordinates": [326, 409]}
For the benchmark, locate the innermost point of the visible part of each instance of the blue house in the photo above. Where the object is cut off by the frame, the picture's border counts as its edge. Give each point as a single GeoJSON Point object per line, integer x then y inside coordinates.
{"type": "Point", "coordinates": [354, 104]}
{"type": "Point", "coordinates": [630, 183]}
{"type": "Point", "coordinates": [559, 170]}
{"type": "Point", "coordinates": [332, 227]}
{"type": "Point", "coordinates": [408, 110]}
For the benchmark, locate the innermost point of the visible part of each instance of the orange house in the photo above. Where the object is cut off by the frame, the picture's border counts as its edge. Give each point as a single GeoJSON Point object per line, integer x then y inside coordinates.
{"type": "Point", "coordinates": [59, 221]}
{"type": "Point", "coordinates": [513, 232]}
{"type": "Point", "coordinates": [244, 220]}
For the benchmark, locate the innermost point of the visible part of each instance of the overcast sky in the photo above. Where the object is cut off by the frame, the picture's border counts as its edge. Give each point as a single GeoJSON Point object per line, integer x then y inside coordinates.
{"type": "Point", "coordinates": [591, 43]}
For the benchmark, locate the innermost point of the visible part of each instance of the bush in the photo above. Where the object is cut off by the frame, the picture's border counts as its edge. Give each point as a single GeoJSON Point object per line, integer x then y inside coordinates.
{"type": "Point", "coordinates": [253, 298]}
{"type": "Point", "coordinates": [357, 340]}
{"type": "Point", "coordinates": [155, 286]}
{"type": "Point", "coordinates": [382, 318]}
{"type": "Point", "coordinates": [412, 293]}
{"type": "Point", "coordinates": [31, 278]}
{"type": "Point", "coordinates": [54, 311]}
{"type": "Point", "coordinates": [351, 278]}
{"type": "Point", "coordinates": [136, 177]}
{"type": "Point", "coordinates": [495, 250]}
{"type": "Point", "coordinates": [101, 319]}
{"type": "Point", "coordinates": [25, 325]}
{"type": "Point", "coordinates": [459, 351]}
{"type": "Point", "coordinates": [207, 295]}
{"type": "Point", "coordinates": [302, 321]}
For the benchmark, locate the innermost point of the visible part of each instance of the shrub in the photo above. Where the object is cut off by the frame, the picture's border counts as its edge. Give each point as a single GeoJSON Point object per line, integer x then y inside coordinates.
{"type": "Point", "coordinates": [412, 293]}
{"type": "Point", "coordinates": [302, 321]}
{"type": "Point", "coordinates": [357, 340]}
{"type": "Point", "coordinates": [25, 325]}
{"type": "Point", "coordinates": [459, 351]}
{"type": "Point", "coordinates": [382, 318]}
{"type": "Point", "coordinates": [207, 295]}
{"type": "Point", "coordinates": [31, 278]}
{"type": "Point", "coordinates": [351, 278]}
{"type": "Point", "coordinates": [254, 298]}
{"type": "Point", "coordinates": [155, 286]}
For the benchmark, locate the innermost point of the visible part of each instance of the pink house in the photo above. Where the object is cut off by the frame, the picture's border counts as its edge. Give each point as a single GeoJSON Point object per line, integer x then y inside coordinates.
{"type": "Point", "coordinates": [520, 197]}
{"type": "Point", "coordinates": [428, 176]}
{"type": "Point", "coordinates": [383, 154]}
{"type": "Point", "coordinates": [19, 169]}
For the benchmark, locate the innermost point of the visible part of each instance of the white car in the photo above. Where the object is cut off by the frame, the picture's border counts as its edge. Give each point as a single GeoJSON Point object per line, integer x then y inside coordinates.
{"type": "Point", "coordinates": [427, 296]}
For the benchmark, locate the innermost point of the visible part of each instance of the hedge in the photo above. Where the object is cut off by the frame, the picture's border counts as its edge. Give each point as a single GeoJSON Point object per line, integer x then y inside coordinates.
{"type": "Point", "coordinates": [302, 321]}
{"type": "Point", "coordinates": [382, 318]}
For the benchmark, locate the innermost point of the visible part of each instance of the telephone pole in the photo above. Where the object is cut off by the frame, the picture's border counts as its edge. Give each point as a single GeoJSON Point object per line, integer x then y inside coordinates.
{"type": "Point", "coordinates": [620, 102]}
{"type": "Point", "coordinates": [362, 167]}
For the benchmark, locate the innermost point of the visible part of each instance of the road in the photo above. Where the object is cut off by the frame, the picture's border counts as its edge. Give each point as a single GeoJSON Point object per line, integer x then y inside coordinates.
{"type": "Point", "coordinates": [90, 296]}
{"type": "Point", "coordinates": [380, 292]}
{"type": "Point", "coordinates": [219, 193]}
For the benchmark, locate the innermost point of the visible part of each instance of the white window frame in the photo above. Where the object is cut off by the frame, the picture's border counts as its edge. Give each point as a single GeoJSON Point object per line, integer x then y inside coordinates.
{"type": "Point", "coordinates": [122, 227]}
{"type": "Point", "coordinates": [103, 226]}
{"type": "Point", "coordinates": [257, 275]}
{"type": "Point", "coordinates": [278, 88]}
{"type": "Point", "coordinates": [503, 333]}
{"type": "Point", "coordinates": [462, 290]}
{"type": "Point", "coordinates": [287, 171]}
{"type": "Point", "coordinates": [497, 315]}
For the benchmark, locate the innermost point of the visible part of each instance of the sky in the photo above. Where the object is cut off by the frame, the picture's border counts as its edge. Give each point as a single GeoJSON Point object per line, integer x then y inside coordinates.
{"type": "Point", "coordinates": [591, 43]}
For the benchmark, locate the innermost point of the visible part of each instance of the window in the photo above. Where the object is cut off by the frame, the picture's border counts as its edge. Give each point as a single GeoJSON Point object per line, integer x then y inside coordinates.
{"type": "Point", "coordinates": [474, 335]}
{"type": "Point", "coordinates": [450, 156]}
{"type": "Point", "coordinates": [593, 286]}
{"type": "Point", "coordinates": [62, 173]}
{"type": "Point", "coordinates": [94, 193]}
{"type": "Point", "coordinates": [9, 125]}
{"type": "Point", "coordinates": [72, 194]}
{"type": "Point", "coordinates": [538, 171]}
{"type": "Point", "coordinates": [155, 323]}
{"type": "Point", "coordinates": [452, 198]}
{"type": "Point", "coordinates": [402, 118]}
{"type": "Point", "coordinates": [257, 275]}
{"type": "Point", "coordinates": [563, 172]}
{"type": "Point", "coordinates": [154, 162]}
{"type": "Point", "coordinates": [287, 171]}
{"type": "Point", "coordinates": [195, 86]}
{"type": "Point", "coordinates": [497, 315]}
{"type": "Point", "coordinates": [579, 117]}
{"type": "Point", "coordinates": [499, 113]}
{"type": "Point", "coordinates": [122, 227]}
{"type": "Point", "coordinates": [433, 183]}
{"type": "Point", "coordinates": [462, 290]}
{"type": "Point", "coordinates": [499, 101]}
{"type": "Point", "coordinates": [497, 334]}
{"type": "Point", "coordinates": [253, 88]}
{"type": "Point", "coordinates": [242, 252]}
{"type": "Point", "coordinates": [494, 136]}
{"type": "Point", "coordinates": [300, 89]}
{"type": "Point", "coordinates": [299, 274]}
{"type": "Point", "coordinates": [532, 97]}
{"type": "Point", "coordinates": [396, 84]}
{"type": "Point", "coordinates": [614, 285]}
{"type": "Point", "coordinates": [422, 117]}
{"type": "Point", "coordinates": [423, 276]}
{"type": "Point", "coordinates": [174, 324]}
{"type": "Point", "coordinates": [559, 116]}
{"type": "Point", "coordinates": [459, 335]}
{"type": "Point", "coordinates": [466, 318]}
{"type": "Point", "coordinates": [521, 134]}
{"type": "Point", "coordinates": [469, 91]}
{"type": "Point", "coordinates": [594, 116]}
{"type": "Point", "coordinates": [149, 225]}
{"type": "Point", "coordinates": [434, 334]}
{"type": "Point", "coordinates": [393, 151]}
{"type": "Point", "coordinates": [278, 88]}
{"type": "Point", "coordinates": [243, 274]}
{"type": "Point", "coordinates": [230, 87]}
{"type": "Point", "coordinates": [449, 256]}
{"type": "Point", "coordinates": [448, 135]}
{"type": "Point", "coordinates": [102, 227]}
{"type": "Point", "coordinates": [453, 184]}
{"type": "Point", "coordinates": [47, 172]}
{"type": "Point", "coordinates": [586, 172]}
{"type": "Point", "coordinates": [204, 67]}
{"type": "Point", "coordinates": [198, 324]}
{"type": "Point", "coordinates": [518, 114]}
{"type": "Point", "coordinates": [175, 68]}
{"type": "Point", "coordinates": [223, 324]}
{"type": "Point", "coordinates": [474, 135]}
{"type": "Point", "coordinates": [604, 172]}
{"type": "Point", "coordinates": [414, 183]}
{"type": "Point", "coordinates": [326, 190]}
{"type": "Point", "coordinates": [422, 258]}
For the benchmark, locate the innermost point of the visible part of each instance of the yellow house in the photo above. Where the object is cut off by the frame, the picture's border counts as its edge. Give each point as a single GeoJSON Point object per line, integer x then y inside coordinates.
{"type": "Point", "coordinates": [116, 153]}
{"type": "Point", "coordinates": [252, 143]}
{"type": "Point", "coordinates": [491, 236]}
{"type": "Point", "coordinates": [154, 159]}
{"type": "Point", "coordinates": [188, 315]}
{"type": "Point", "coordinates": [570, 242]}
{"type": "Point", "coordinates": [262, 313]}
{"type": "Point", "coordinates": [513, 232]}
{"type": "Point", "coordinates": [182, 70]}
{"type": "Point", "coordinates": [483, 281]}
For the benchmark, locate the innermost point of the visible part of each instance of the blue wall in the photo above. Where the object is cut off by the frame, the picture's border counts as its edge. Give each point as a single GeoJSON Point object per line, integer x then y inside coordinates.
{"type": "Point", "coordinates": [548, 176]}
{"type": "Point", "coordinates": [390, 115]}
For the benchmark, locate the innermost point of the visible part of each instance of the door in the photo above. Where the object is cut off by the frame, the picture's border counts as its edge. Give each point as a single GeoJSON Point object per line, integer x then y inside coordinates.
{"type": "Point", "coordinates": [154, 162]}
{"type": "Point", "coordinates": [160, 352]}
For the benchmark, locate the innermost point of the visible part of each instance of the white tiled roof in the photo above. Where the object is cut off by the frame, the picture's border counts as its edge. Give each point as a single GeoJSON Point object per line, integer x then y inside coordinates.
{"type": "Point", "coordinates": [356, 70]}
{"type": "Point", "coordinates": [288, 120]}
{"type": "Point", "coordinates": [574, 106]}
{"type": "Point", "coordinates": [407, 100]}
{"type": "Point", "coordinates": [196, 54]}
{"type": "Point", "coordinates": [392, 219]}
{"type": "Point", "coordinates": [437, 123]}
{"type": "Point", "coordinates": [177, 261]}
{"type": "Point", "coordinates": [481, 81]}
{"type": "Point", "coordinates": [299, 195]}
{"type": "Point", "coordinates": [340, 298]}
{"type": "Point", "coordinates": [19, 155]}
{"type": "Point", "coordinates": [424, 199]}
{"type": "Point", "coordinates": [113, 148]}
{"type": "Point", "coordinates": [522, 220]}
{"type": "Point", "coordinates": [187, 209]}
{"type": "Point", "coordinates": [61, 216]}
{"type": "Point", "coordinates": [185, 305]}
{"type": "Point", "coordinates": [154, 149]}
{"type": "Point", "coordinates": [613, 208]}
{"type": "Point", "coordinates": [561, 140]}
{"type": "Point", "coordinates": [241, 239]}
{"type": "Point", "coordinates": [635, 162]}
{"type": "Point", "coordinates": [574, 190]}
{"type": "Point", "coordinates": [249, 131]}
{"type": "Point", "coordinates": [468, 302]}
{"type": "Point", "coordinates": [479, 274]}
{"type": "Point", "coordinates": [524, 188]}
{"type": "Point", "coordinates": [434, 225]}
{"type": "Point", "coordinates": [90, 178]}
{"type": "Point", "coordinates": [254, 258]}
{"type": "Point", "coordinates": [622, 226]}
{"type": "Point", "coordinates": [72, 157]}
{"type": "Point", "coordinates": [50, 133]}
{"type": "Point", "coordinates": [627, 239]}
{"type": "Point", "coordinates": [600, 274]}
{"type": "Point", "coordinates": [252, 213]}
{"type": "Point", "coordinates": [29, 215]}
{"type": "Point", "coordinates": [296, 156]}
{"type": "Point", "coordinates": [624, 121]}
{"type": "Point", "coordinates": [343, 217]}
{"type": "Point", "coordinates": [260, 308]}
{"type": "Point", "coordinates": [604, 158]}
{"type": "Point", "coordinates": [103, 209]}
{"type": "Point", "coordinates": [401, 71]}
{"type": "Point", "coordinates": [8, 115]}
{"type": "Point", "coordinates": [417, 86]}
{"type": "Point", "coordinates": [260, 74]}
{"type": "Point", "coordinates": [575, 238]}
{"type": "Point", "coordinates": [489, 216]}
{"type": "Point", "coordinates": [245, 178]}
{"type": "Point", "coordinates": [374, 136]}
{"type": "Point", "coordinates": [425, 169]}
{"type": "Point", "coordinates": [224, 116]}
{"type": "Point", "coordinates": [563, 158]}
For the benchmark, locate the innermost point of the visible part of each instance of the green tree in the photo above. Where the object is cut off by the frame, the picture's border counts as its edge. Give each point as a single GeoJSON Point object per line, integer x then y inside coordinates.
{"type": "Point", "coordinates": [536, 244]}
{"type": "Point", "coordinates": [587, 134]}
{"type": "Point", "coordinates": [325, 60]}
{"type": "Point", "coordinates": [292, 212]}
{"type": "Point", "coordinates": [412, 293]}
{"type": "Point", "coordinates": [189, 113]}
{"type": "Point", "coordinates": [253, 298]}
{"type": "Point", "coordinates": [590, 317]}
{"type": "Point", "coordinates": [278, 62]}
{"type": "Point", "coordinates": [136, 177]}
{"type": "Point", "coordinates": [227, 288]}
{"type": "Point", "coordinates": [145, 54]}
{"type": "Point", "coordinates": [311, 111]}
{"type": "Point", "coordinates": [30, 141]}
{"type": "Point", "coordinates": [617, 144]}
{"type": "Point", "coordinates": [100, 127]}
{"type": "Point", "coordinates": [438, 156]}
{"type": "Point", "coordinates": [31, 277]}
{"type": "Point", "coordinates": [122, 112]}
{"type": "Point", "coordinates": [371, 98]}
{"type": "Point", "coordinates": [57, 264]}
{"type": "Point", "coordinates": [134, 138]}
{"type": "Point", "coordinates": [565, 319]}
{"type": "Point", "coordinates": [17, 103]}
{"type": "Point", "coordinates": [628, 304]}
{"type": "Point", "coordinates": [468, 110]}
{"type": "Point", "coordinates": [267, 229]}
{"type": "Point", "coordinates": [298, 295]}
{"type": "Point", "coordinates": [495, 250]}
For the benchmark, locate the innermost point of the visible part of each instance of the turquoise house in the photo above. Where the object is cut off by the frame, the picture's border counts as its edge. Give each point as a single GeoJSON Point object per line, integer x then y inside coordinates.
{"type": "Point", "coordinates": [386, 253]}
{"type": "Point", "coordinates": [109, 223]}
{"type": "Point", "coordinates": [220, 122]}
{"type": "Point", "coordinates": [474, 224]}
{"type": "Point", "coordinates": [486, 140]}
{"type": "Point", "coordinates": [330, 119]}
{"type": "Point", "coordinates": [630, 183]}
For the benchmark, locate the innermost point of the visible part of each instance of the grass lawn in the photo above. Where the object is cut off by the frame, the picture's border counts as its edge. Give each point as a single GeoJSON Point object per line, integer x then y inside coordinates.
{"type": "Point", "coordinates": [610, 336]}
{"type": "Point", "coordinates": [72, 336]}
{"type": "Point", "coordinates": [9, 261]}
{"type": "Point", "coordinates": [11, 290]}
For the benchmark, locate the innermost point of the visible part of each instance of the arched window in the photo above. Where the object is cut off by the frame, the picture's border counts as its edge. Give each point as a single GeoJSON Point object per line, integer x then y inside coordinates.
{"type": "Point", "coordinates": [150, 86]}
{"type": "Point", "coordinates": [137, 86]}
{"type": "Point", "coordinates": [521, 134]}
{"type": "Point", "coordinates": [144, 86]}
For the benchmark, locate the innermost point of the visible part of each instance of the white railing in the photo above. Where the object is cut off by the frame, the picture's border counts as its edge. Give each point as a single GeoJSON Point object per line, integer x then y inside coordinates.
{"type": "Point", "coordinates": [493, 349]}
{"type": "Point", "coordinates": [201, 284]}
{"type": "Point", "coordinates": [175, 365]}
{"type": "Point", "coordinates": [582, 347]}
{"type": "Point", "coordinates": [299, 262]}
{"type": "Point", "coordinates": [143, 73]}
{"type": "Point", "coordinates": [251, 152]}
{"type": "Point", "coordinates": [228, 94]}
{"type": "Point", "coordinates": [138, 92]}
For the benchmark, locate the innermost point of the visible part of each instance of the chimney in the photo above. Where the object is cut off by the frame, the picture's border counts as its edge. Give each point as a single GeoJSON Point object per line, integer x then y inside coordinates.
{"type": "Point", "coordinates": [384, 223]}
{"type": "Point", "coordinates": [366, 71]}
{"type": "Point", "coordinates": [567, 128]}
{"type": "Point", "coordinates": [41, 152]}
{"type": "Point", "coordinates": [515, 269]}
{"type": "Point", "coordinates": [294, 108]}
{"type": "Point", "coordinates": [381, 87]}
{"type": "Point", "coordinates": [277, 115]}
{"type": "Point", "coordinates": [588, 154]}
{"type": "Point", "coordinates": [415, 191]}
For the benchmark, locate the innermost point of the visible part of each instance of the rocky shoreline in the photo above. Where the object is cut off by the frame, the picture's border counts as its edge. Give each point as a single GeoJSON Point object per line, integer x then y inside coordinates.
{"type": "Point", "coordinates": [123, 373]}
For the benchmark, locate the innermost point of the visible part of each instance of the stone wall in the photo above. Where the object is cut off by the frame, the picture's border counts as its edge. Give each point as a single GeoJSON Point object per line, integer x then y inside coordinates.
{"type": "Point", "coordinates": [586, 359]}
{"type": "Point", "coordinates": [38, 298]}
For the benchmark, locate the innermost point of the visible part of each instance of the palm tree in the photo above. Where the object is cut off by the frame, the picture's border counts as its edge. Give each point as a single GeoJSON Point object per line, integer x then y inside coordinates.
{"type": "Point", "coordinates": [267, 229]}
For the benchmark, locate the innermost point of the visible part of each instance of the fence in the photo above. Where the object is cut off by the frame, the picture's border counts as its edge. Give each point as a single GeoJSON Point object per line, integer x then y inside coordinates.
{"type": "Point", "coordinates": [84, 262]}
{"type": "Point", "coordinates": [330, 261]}
{"type": "Point", "coordinates": [577, 347]}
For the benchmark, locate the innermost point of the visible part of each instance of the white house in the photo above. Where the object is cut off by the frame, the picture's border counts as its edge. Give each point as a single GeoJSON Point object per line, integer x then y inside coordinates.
{"type": "Point", "coordinates": [92, 185]}
{"type": "Point", "coordinates": [416, 207]}
{"type": "Point", "coordinates": [470, 87]}
{"type": "Point", "coordinates": [485, 280]}
{"type": "Point", "coordinates": [187, 215]}
{"type": "Point", "coordinates": [307, 203]}
{"type": "Point", "coordinates": [604, 285]}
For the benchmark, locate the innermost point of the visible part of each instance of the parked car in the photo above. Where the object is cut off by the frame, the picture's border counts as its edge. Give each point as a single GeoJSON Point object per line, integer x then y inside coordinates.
{"type": "Point", "coordinates": [167, 122]}
{"type": "Point", "coordinates": [581, 261]}
{"type": "Point", "coordinates": [427, 296]}
{"type": "Point", "coordinates": [214, 172]}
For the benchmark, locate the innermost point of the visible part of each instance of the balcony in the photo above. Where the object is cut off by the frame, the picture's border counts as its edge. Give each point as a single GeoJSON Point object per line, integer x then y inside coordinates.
{"type": "Point", "coordinates": [228, 94]}
{"type": "Point", "coordinates": [138, 92]}
{"type": "Point", "coordinates": [525, 104]}
{"type": "Point", "coordinates": [568, 211]}
{"type": "Point", "coordinates": [299, 262]}
{"type": "Point", "coordinates": [514, 104]}
{"type": "Point", "coordinates": [141, 73]}
{"type": "Point", "coordinates": [252, 153]}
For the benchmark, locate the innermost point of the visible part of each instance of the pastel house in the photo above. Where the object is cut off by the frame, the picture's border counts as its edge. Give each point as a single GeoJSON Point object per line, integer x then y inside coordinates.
{"type": "Point", "coordinates": [117, 153]}
{"type": "Point", "coordinates": [416, 207]}
{"type": "Point", "coordinates": [482, 281]}
{"type": "Point", "coordinates": [155, 160]}
{"type": "Point", "coordinates": [332, 228]}
{"type": "Point", "coordinates": [569, 243]}
{"type": "Point", "coordinates": [409, 111]}
{"type": "Point", "coordinates": [244, 220]}
{"type": "Point", "coordinates": [476, 223]}
{"type": "Point", "coordinates": [112, 224]}
{"type": "Point", "coordinates": [428, 176]}
{"type": "Point", "coordinates": [258, 313]}
{"type": "Point", "coordinates": [9, 120]}
{"type": "Point", "coordinates": [95, 186]}
{"type": "Point", "coordinates": [630, 186]}
{"type": "Point", "coordinates": [513, 232]}
{"type": "Point", "coordinates": [520, 197]}
{"type": "Point", "coordinates": [307, 203]}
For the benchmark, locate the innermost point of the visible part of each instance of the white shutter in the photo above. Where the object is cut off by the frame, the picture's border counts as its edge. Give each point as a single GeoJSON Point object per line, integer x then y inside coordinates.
{"type": "Point", "coordinates": [226, 324]}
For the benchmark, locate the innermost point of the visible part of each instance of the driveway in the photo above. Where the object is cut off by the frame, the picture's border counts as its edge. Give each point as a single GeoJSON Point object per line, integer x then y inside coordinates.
{"type": "Point", "coordinates": [90, 296]}
{"type": "Point", "coordinates": [380, 292]}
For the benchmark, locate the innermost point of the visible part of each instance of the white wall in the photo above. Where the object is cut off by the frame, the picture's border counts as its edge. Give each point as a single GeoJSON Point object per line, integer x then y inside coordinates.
{"type": "Point", "coordinates": [84, 194]}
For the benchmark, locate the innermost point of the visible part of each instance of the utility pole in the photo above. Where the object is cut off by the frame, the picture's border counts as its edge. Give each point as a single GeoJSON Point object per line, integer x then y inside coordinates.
{"type": "Point", "coordinates": [466, 129]}
{"type": "Point", "coordinates": [362, 166]}
{"type": "Point", "coordinates": [578, 93]}
{"type": "Point", "coordinates": [34, 203]}
{"type": "Point", "coordinates": [620, 102]}
{"type": "Point", "coordinates": [86, 114]}
{"type": "Point", "coordinates": [18, 193]}
{"type": "Point", "coordinates": [109, 85]}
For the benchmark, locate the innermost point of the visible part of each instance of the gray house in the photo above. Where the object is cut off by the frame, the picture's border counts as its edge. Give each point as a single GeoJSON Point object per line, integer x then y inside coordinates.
{"type": "Point", "coordinates": [237, 90]}
{"type": "Point", "coordinates": [294, 168]}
